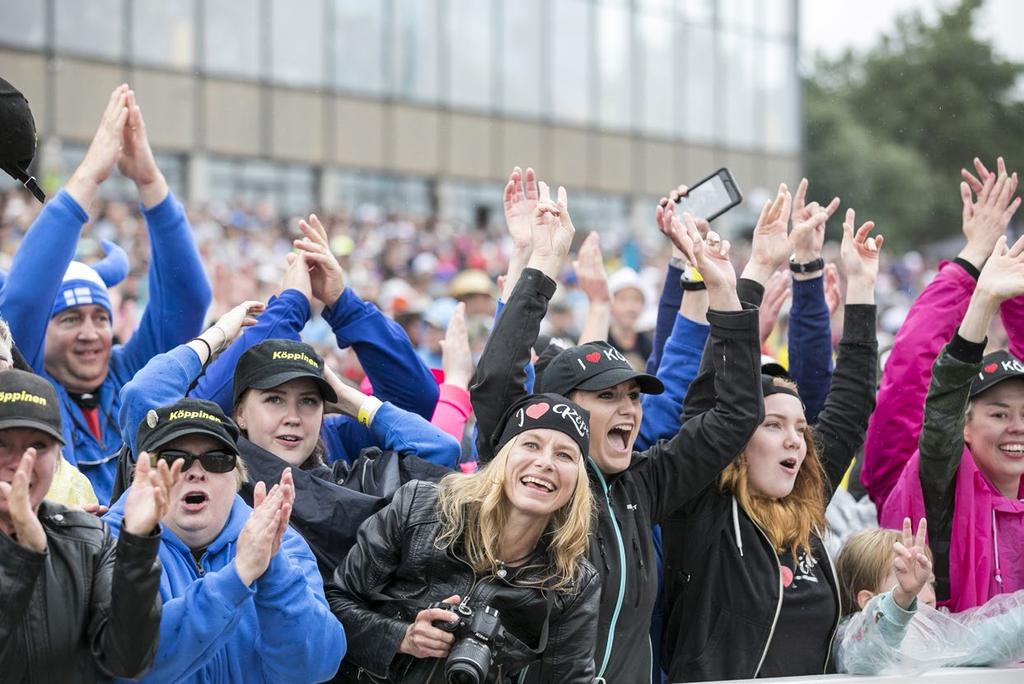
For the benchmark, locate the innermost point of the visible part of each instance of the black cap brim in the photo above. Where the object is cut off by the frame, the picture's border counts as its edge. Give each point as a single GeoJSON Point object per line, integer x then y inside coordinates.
{"type": "Point", "coordinates": [271, 381]}
{"type": "Point", "coordinates": [28, 423]}
{"type": "Point", "coordinates": [614, 376]}
{"type": "Point", "coordinates": [978, 388]}
{"type": "Point", "coordinates": [184, 431]}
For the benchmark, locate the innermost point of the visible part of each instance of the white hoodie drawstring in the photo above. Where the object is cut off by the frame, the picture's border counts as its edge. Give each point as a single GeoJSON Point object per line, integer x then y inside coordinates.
{"type": "Point", "coordinates": [736, 525]}
{"type": "Point", "coordinates": [995, 543]}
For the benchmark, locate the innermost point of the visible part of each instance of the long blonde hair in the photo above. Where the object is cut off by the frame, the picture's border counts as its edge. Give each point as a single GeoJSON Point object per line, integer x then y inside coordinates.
{"type": "Point", "coordinates": [788, 522]}
{"type": "Point", "coordinates": [474, 510]}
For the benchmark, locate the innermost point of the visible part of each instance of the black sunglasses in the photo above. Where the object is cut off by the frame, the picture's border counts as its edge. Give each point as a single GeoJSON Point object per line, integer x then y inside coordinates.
{"type": "Point", "coordinates": [212, 461]}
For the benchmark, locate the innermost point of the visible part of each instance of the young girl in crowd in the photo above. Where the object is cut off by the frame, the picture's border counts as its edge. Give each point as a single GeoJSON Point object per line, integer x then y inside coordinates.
{"type": "Point", "coordinates": [633, 490]}
{"type": "Point", "coordinates": [891, 625]}
{"type": "Point", "coordinates": [966, 478]}
{"type": "Point", "coordinates": [511, 538]}
{"type": "Point", "coordinates": [750, 590]}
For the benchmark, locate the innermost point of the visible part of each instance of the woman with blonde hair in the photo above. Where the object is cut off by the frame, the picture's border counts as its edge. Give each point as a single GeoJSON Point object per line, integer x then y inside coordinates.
{"type": "Point", "coordinates": [480, 576]}
{"type": "Point", "coordinates": [750, 590]}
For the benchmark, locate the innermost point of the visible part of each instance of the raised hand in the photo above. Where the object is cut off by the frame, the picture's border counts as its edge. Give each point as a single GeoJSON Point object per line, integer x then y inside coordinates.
{"type": "Point", "coordinates": [258, 539]}
{"type": "Point", "coordinates": [986, 217]}
{"type": "Point", "coordinates": [666, 209]}
{"type": "Point", "coordinates": [910, 564]}
{"type": "Point", "coordinates": [296, 275]}
{"type": "Point", "coordinates": [241, 316]}
{"type": "Point", "coordinates": [104, 150]}
{"type": "Point", "coordinates": [1002, 277]}
{"type": "Point", "coordinates": [424, 640]}
{"type": "Point", "coordinates": [859, 251]}
{"type": "Point", "coordinates": [287, 489]}
{"type": "Point", "coordinates": [326, 276]}
{"type": "Point", "coordinates": [770, 246]}
{"type": "Point", "coordinates": [520, 202]}
{"type": "Point", "coordinates": [27, 527]}
{"type": "Point", "coordinates": [808, 234]}
{"type": "Point", "coordinates": [149, 497]}
{"type": "Point", "coordinates": [456, 357]}
{"type": "Point", "coordinates": [589, 267]}
{"type": "Point", "coordinates": [137, 160]}
{"type": "Point", "coordinates": [552, 231]}
{"type": "Point", "coordinates": [833, 294]}
{"type": "Point", "coordinates": [776, 292]}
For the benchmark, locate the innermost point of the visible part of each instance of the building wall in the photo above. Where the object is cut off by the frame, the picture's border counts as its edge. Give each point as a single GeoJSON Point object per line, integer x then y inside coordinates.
{"type": "Point", "coordinates": [618, 100]}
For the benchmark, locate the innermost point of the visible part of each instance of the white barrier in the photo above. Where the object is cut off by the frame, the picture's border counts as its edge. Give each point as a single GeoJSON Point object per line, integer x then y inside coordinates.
{"type": "Point", "coordinates": [945, 675]}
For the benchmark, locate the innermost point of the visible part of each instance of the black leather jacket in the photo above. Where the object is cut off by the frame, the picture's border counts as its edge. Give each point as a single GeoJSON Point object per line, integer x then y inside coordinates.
{"type": "Point", "coordinates": [87, 606]}
{"type": "Point", "coordinates": [395, 570]}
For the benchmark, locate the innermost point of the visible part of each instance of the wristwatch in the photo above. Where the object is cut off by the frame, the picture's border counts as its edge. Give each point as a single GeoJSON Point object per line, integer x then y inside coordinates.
{"type": "Point", "coordinates": [810, 267]}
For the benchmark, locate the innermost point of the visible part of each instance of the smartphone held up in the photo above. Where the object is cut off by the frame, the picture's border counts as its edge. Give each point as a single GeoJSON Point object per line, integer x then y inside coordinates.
{"type": "Point", "coordinates": [712, 196]}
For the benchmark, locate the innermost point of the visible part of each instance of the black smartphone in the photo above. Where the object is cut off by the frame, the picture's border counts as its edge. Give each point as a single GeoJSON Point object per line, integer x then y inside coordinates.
{"type": "Point", "coordinates": [712, 196]}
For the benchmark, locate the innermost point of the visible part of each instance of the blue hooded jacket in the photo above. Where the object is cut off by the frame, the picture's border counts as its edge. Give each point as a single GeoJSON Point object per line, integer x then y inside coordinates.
{"type": "Point", "coordinates": [179, 295]}
{"type": "Point", "coordinates": [215, 629]}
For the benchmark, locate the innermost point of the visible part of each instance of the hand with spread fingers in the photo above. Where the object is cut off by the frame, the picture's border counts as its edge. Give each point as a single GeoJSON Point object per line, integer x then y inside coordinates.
{"type": "Point", "coordinates": [710, 255]}
{"type": "Point", "coordinates": [666, 209]}
{"type": "Point", "coordinates": [326, 276]}
{"type": "Point", "coordinates": [911, 565]}
{"type": "Point", "coordinates": [149, 497]}
{"type": "Point", "coordinates": [808, 235]}
{"type": "Point", "coordinates": [988, 211]}
{"type": "Point", "coordinates": [27, 528]}
{"type": "Point", "coordinates": [553, 232]}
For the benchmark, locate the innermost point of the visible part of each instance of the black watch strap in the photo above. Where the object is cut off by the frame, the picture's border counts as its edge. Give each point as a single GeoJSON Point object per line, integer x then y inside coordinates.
{"type": "Point", "coordinates": [809, 267]}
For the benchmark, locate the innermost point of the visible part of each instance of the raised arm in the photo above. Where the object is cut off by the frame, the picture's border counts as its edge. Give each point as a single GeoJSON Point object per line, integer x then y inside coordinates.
{"type": "Point", "coordinates": [522, 192]}
{"type": "Point", "coordinates": [453, 404]}
{"type": "Point", "coordinates": [810, 332]}
{"type": "Point", "coordinates": [49, 245]}
{"type": "Point", "coordinates": [680, 468]}
{"type": "Point", "coordinates": [843, 420]}
{"type": "Point", "coordinates": [500, 376]}
{"type": "Point", "coordinates": [896, 424]}
{"type": "Point", "coordinates": [179, 291]}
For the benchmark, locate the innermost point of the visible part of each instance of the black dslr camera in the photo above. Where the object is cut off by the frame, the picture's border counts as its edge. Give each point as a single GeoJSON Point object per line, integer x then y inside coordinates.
{"type": "Point", "coordinates": [476, 632]}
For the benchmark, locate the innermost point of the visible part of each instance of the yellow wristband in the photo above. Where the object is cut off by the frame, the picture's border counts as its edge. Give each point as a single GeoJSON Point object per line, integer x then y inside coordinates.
{"type": "Point", "coordinates": [364, 414]}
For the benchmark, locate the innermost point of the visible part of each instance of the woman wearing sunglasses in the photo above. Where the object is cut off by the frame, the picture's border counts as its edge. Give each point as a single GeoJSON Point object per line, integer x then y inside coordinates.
{"type": "Point", "coordinates": [237, 582]}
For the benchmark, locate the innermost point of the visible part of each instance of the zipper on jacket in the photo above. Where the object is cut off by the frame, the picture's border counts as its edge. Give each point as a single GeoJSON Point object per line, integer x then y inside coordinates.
{"type": "Point", "coordinates": [362, 475]}
{"type": "Point", "coordinates": [604, 553]}
{"type": "Point", "coordinates": [622, 575]}
{"type": "Point", "coordinates": [639, 575]}
{"type": "Point", "coordinates": [778, 607]}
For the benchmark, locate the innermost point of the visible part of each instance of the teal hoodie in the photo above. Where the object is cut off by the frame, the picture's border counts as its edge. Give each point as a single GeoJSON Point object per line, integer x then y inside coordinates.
{"type": "Point", "coordinates": [214, 629]}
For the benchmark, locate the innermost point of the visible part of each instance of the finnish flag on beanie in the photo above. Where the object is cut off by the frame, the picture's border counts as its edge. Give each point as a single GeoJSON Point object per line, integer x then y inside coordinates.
{"type": "Point", "coordinates": [84, 284]}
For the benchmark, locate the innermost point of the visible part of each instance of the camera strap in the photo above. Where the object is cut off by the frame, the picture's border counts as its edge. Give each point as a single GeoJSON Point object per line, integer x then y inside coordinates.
{"type": "Point", "coordinates": [543, 642]}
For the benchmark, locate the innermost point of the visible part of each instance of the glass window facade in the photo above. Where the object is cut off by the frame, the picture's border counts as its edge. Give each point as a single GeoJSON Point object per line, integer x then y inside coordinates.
{"type": "Point", "coordinates": [417, 51]}
{"type": "Point", "coordinates": [24, 24]}
{"type": "Point", "coordinates": [163, 32]}
{"type": "Point", "coordinates": [572, 51]}
{"type": "Point", "coordinates": [469, 31]}
{"type": "Point", "coordinates": [615, 77]}
{"type": "Point", "coordinates": [289, 187]}
{"type": "Point", "coordinates": [297, 42]}
{"type": "Point", "coordinates": [95, 29]}
{"type": "Point", "coordinates": [359, 45]}
{"type": "Point", "coordinates": [521, 47]}
{"type": "Point", "coordinates": [232, 39]}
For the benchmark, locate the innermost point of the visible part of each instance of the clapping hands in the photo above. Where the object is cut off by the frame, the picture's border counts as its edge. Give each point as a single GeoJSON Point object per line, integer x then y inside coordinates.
{"type": "Point", "coordinates": [261, 537]}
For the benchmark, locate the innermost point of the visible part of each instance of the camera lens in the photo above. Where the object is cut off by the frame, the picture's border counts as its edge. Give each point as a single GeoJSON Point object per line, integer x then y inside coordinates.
{"type": "Point", "coordinates": [468, 662]}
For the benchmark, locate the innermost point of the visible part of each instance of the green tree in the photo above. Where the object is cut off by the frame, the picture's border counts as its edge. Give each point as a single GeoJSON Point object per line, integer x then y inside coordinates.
{"type": "Point", "coordinates": [888, 131]}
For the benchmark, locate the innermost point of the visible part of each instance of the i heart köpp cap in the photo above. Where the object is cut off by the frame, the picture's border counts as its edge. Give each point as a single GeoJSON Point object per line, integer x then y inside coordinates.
{"type": "Point", "coordinates": [594, 366]}
{"type": "Point", "coordinates": [544, 411]}
{"type": "Point", "coordinates": [995, 368]}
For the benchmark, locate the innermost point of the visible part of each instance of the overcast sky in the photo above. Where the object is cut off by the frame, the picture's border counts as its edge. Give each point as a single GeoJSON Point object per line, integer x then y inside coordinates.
{"type": "Point", "coordinates": [830, 26]}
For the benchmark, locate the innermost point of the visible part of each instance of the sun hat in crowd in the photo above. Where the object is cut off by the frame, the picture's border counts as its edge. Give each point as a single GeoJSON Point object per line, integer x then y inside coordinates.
{"type": "Point", "coordinates": [17, 138]}
{"type": "Point", "coordinates": [544, 411]}
{"type": "Point", "coordinates": [472, 282]}
{"type": "Point", "coordinates": [182, 418]}
{"type": "Point", "coordinates": [29, 401]}
{"type": "Point", "coordinates": [995, 368]}
{"type": "Point", "coordinates": [594, 366]}
{"type": "Point", "coordinates": [275, 362]}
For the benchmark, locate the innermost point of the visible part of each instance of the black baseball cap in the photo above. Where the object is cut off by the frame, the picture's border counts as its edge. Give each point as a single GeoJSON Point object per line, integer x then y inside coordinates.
{"type": "Point", "coordinates": [185, 417]}
{"type": "Point", "coordinates": [275, 362]}
{"type": "Point", "coordinates": [594, 366]}
{"type": "Point", "coordinates": [995, 368]}
{"type": "Point", "coordinates": [17, 138]}
{"type": "Point", "coordinates": [544, 411]}
{"type": "Point", "coordinates": [29, 401]}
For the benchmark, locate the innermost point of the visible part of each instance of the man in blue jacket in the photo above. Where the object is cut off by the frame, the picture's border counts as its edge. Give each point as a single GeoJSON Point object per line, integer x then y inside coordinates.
{"type": "Point", "coordinates": [242, 597]}
{"type": "Point", "coordinates": [59, 310]}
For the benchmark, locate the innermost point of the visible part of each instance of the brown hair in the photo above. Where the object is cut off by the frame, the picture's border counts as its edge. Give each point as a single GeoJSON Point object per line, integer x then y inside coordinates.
{"type": "Point", "coordinates": [864, 562]}
{"type": "Point", "coordinates": [788, 522]}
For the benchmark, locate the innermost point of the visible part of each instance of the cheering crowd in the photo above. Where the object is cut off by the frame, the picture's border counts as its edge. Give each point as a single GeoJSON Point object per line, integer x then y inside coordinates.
{"type": "Point", "coordinates": [408, 487]}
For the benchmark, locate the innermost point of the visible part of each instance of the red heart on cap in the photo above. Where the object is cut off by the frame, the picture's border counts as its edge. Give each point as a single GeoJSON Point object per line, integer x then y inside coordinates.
{"type": "Point", "coordinates": [593, 357]}
{"type": "Point", "coordinates": [538, 410]}
{"type": "Point", "coordinates": [991, 368]}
